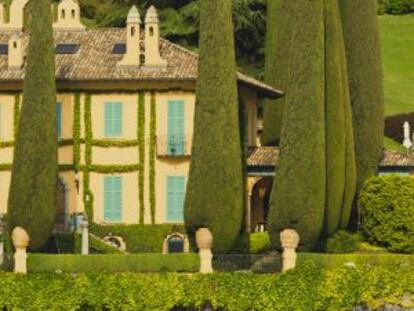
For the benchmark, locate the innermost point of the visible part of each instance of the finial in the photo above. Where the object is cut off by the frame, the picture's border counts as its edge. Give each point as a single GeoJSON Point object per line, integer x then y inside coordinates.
{"type": "Point", "coordinates": [134, 16]}
{"type": "Point", "coordinates": [152, 15]}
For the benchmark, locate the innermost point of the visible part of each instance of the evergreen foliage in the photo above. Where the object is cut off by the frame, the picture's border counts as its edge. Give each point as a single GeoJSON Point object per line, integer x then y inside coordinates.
{"type": "Point", "coordinates": [362, 41]}
{"type": "Point", "coordinates": [34, 174]}
{"type": "Point", "coordinates": [214, 196]}
{"type": "Point", "coordinates": [278, 47]}
{"type": "Point", "coordinates": [298, 196]}
{"type": "Point", "coordinates": [316, 175]}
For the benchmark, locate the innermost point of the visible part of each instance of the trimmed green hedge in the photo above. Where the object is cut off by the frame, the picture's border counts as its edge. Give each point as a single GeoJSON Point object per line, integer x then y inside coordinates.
{"type": "Point", "coordinates": [307, 288]}
{"type": "Point", "coordinates": [342, 242]}
{"type": "Point", "coordinates": [360, 260]}
{"type": "Point", "coordinates": [387, 212]}
{"type": "Point", "coordinates": [138, 238]}
{"type": "Point", "coordinates": [114, 263]}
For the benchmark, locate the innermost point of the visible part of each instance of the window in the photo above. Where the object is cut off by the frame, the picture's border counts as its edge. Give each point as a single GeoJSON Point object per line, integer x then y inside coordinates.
{"type": "Point", "coordinates": [59, 119]}
{"type": "Point", "coordinates": [175, 136]}
{"type": "Point", "coordinates": [73, 14]}
{"type": "Point", "coordinates": [175, 198]}
{"type": "Point", "coordinates": [113, 120]}
{"type": "Point", "coordinates": [113, 198]}
{"type": "Point", "coordinates": [63, 14]}
{"type": "Point", "coordinates": [151, 31]}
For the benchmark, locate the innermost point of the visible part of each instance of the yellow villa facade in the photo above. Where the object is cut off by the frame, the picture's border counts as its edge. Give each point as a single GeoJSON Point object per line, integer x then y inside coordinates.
{"type": "Point", "coordinates": [125, 109]}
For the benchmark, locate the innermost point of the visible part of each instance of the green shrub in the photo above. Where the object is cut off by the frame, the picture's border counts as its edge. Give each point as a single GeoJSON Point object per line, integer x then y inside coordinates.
{"type": "Point", "coordinates": [306, 288]}
{"type": "Point", "coordinates": [252, 243]}
{"type": "Point", "coordinates": [399, 7]}
{"type": "Point", "coordinates": [387, 212]}
{"type": "Point", "coordinates": [114, 263]}
{"type": "Point", "coordinates": [342, 242]}
{"type": "Point", "coordinates": [138, 238]}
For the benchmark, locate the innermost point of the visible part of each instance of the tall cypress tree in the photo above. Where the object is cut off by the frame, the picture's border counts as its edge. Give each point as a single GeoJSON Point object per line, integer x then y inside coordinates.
{"type": "Point", "coordinates": [278, 50]}
{"type": "Point", "coordinates": [340, 156]}
{"type": "Point", "coordinates": [298, 196]}
{"type": "Point", "coordinates": [215, 187]}
{"type": "Point", "coordinates": [362, 41]}
{"type": "Point", "coordinates": [315, 180]}
{"type": "Point", "coordinates": [34, 174]}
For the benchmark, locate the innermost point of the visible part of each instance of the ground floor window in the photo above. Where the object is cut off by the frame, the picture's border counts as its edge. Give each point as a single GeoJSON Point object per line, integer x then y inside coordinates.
{"type": "Point", "coordinates": [175, 198]}
{"type": "Point", "coordinates": [113, 198]}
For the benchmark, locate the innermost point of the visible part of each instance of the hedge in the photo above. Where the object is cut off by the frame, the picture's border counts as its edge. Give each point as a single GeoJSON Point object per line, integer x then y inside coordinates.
{"type": "Point", "coordinates": [138, 238]}
{"type": "Point", "coordinates": [114, 263]}
{"type": "Point", "coordinates": [387, 212]}
{"type": "Point", "coordinates": [306, 288]}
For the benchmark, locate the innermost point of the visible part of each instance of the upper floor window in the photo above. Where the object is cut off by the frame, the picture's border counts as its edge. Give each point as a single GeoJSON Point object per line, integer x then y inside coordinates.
{"type": "Point", "coordinates": [113, 119]}
{"type": "Point", "coordinates": [176, 128]}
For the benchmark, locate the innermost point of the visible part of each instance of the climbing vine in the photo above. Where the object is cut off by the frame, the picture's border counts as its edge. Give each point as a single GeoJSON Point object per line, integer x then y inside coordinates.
{"type": "Point", "coordinates": [76, 131]}
{"type": "Point", "coordinates": [152, 151]}
{"type": "Point", "coordinates": [87, 194]}
{"type": "Point", "coordinates": [141, 154]}
{"type": "Point", "coordinates": [16, 114]}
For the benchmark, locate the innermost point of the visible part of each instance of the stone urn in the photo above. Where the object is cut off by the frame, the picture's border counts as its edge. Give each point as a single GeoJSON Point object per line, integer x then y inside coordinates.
{"type": "Point", "coordinates": [20, 238]}
{"type": "Point", "coordinates": [289, 238]}
{"type": "Point", "coordinates": [204, 238]}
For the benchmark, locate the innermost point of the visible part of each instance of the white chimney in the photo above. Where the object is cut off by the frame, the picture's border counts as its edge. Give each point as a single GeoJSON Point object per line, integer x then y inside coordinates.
{"type": "Point", "coordinates": [16, 20]}
{"type": "Point", "coordinates": [132, 55]}
{"type": "Point", "coordinates": [68, 17]}
{"type": "Point", "coordinates": [407, 134]}
{"type": "Point", "coordinates": [15, 56]}
{"type": "Point", "coordinates": [2, 21]}
{"type": "Point", "coordinates": [152, 40]}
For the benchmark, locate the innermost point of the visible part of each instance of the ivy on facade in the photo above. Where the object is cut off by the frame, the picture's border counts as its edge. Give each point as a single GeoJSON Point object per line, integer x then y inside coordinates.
{"type": "Point", "coordinates": [141, 154]}
{"type": "Point", "coordinates": [152, 154]}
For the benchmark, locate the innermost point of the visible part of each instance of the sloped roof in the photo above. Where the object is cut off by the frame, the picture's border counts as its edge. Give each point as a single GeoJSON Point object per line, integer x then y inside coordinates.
{"type": "Point", "coordinates": [265, 158]}
{"type": "Point", "coordinates": [95, 61]}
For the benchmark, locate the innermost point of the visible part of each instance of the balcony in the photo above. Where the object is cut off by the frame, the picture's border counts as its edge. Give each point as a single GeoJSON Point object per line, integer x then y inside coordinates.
{"type": "Point", "coordinates": [173, 146]}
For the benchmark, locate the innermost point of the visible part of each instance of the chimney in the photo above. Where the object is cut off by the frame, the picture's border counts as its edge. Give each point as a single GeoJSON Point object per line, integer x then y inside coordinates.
{"type": "Point", "coordinates": [16, 20]}
{"type": "Point", "coordinates": [68, 16]}
{"type": "Point", "coordinates": [132, 55]}
{"type": "Point", "coordinates": [2, 21]}
{"type": "Point", "coordinates": [15, 55]}
{"type": "Point", "coordinates": [152, 40]}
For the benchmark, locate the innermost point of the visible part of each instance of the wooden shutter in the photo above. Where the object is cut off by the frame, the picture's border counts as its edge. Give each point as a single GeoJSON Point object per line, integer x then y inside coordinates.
{"type": "Point", "coordinates": [59, 119]}
{"type": "Point", "coordinates": [175, 198]}
{"type": "Point", "coordinates": [113, 198]}
{"type": "Point", "coordinates": [176, 138]}
{"type": "Point", "coordinates": [113, 119]}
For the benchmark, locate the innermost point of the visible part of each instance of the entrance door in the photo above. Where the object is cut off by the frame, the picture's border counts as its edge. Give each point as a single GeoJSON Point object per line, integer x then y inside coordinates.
{"type": "Point", "coordinates": [60, 221]}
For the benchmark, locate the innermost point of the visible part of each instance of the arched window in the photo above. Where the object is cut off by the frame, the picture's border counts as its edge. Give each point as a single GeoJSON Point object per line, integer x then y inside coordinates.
{"type": "Point", "coordinates": [142, 60]}
{"type": "Point", "coordinates": [151, 31]}
{"type": "Point", "coordinates": [14, 45]}
{"type": "Point", "coordinates": [133, 30]}
{"type": "Point", "coordinates": [176, 244]}
{"type": "Point", "coordinates": [63, 14]}
{"type": "Point", "coordinates": [73, 14]}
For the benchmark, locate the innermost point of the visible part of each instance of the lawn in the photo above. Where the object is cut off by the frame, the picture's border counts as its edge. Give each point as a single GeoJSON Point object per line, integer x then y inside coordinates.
{"type": "Point", "coordinates": [398, 56]}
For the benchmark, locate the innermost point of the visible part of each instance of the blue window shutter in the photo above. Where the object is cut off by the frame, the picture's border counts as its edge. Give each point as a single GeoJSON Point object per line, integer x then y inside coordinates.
{"type": "Point", "coordinates": [113, 119]}
{"type": "Point", "coordinates": [175, 198]}
{"type": "Point", "coordinates": [59, 119]}
{"type": "Point", "coordinates": [113, 198]}
{"type": "Point", "coordinates": [176, 138]}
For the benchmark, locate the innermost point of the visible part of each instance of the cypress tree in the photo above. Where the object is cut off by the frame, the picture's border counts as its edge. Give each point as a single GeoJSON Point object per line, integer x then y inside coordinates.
{"type": "Point", "coordinates": [278, 50]}
{"type": "Point", "coordinates": [298, 196]}
{"type": "Point", "coordinates": [340, 157]}
{"type": "Point", "coordinates": [214, 196]}
{"type": "Point", "coordinates": [362, 41]}
{"type": "Point", "coordinates": [34, 174]}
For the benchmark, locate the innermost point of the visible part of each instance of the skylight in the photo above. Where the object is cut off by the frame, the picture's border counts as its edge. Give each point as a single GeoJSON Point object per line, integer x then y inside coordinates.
{"type": "Point", "coordinates": [67, 48]}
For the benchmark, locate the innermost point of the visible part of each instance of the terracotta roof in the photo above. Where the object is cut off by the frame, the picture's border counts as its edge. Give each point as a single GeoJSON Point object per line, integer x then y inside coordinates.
{"type": "Point", "coordinates": [260, 158]}
{"type": "Point", "coordinates": [95, 61]}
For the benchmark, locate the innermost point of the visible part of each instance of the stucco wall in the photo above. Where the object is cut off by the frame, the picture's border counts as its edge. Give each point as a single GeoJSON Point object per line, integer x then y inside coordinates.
{"type": "Point", "coordinates": [164, 166]}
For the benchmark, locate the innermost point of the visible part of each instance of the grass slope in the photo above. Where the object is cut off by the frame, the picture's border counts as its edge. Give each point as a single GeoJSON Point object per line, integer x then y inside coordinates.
{"type": "Point", "coordinates": [397, 47]}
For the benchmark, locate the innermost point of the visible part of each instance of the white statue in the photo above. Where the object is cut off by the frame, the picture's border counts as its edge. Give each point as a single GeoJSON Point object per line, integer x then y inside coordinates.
{"type": "Point", "coordinates": [407, 134]}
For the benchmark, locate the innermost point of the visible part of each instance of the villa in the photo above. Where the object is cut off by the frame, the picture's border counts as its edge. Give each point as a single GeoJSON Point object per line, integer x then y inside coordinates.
{"type": "Point", "coordinates": [125, 108]}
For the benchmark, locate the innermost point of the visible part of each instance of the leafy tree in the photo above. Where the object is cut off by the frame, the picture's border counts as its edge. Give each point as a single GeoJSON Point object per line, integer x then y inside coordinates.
{"type": "Point", "coordinates": [362, 41]}
{"type": "Point", "coordinates": [34, 174]}
{"type": "Point", "coordinates": [214, 196]}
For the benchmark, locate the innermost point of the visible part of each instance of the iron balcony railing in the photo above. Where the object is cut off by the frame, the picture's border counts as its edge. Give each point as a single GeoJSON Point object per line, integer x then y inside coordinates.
{"type": "Point", "coordinates": [173, 145]}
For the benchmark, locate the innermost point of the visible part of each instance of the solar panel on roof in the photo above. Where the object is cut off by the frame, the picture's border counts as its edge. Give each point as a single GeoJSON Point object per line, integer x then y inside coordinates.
{"type": "Point", "coordinates": [119, 48]}
{"type": "Point", "coordinates": [67, 48]}
{"type": "Point", "coordinates": [4, 49]}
